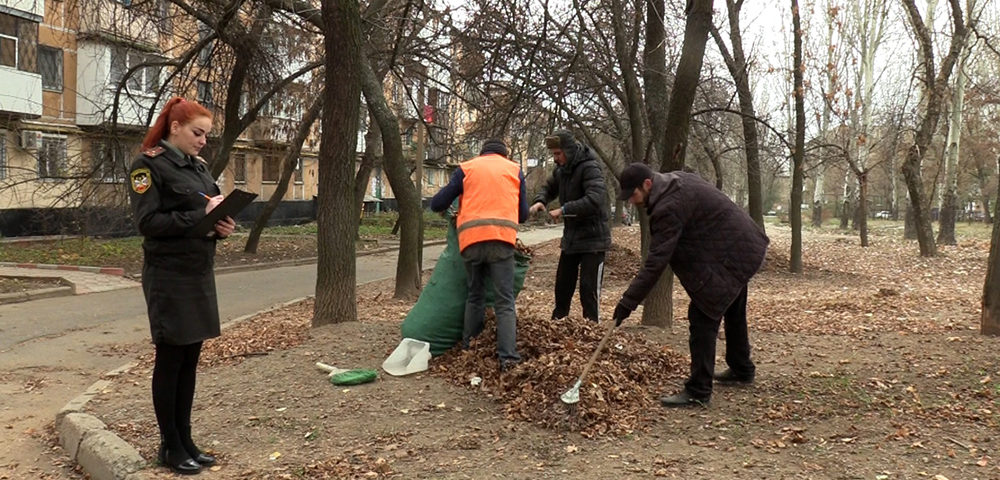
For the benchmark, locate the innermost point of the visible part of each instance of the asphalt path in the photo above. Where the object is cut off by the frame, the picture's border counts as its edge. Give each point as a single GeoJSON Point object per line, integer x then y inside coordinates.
{"type": "Point", "coordinates": [52, 349]}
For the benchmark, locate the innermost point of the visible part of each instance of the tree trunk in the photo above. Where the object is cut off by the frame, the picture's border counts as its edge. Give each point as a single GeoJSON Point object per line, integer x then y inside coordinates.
{"type": "Point", "coordinates": [625, 54]}
{"type": "Point", "coordinates": [817, 213]}
{"type": "Point", "coordinates": [336, 277]}
{"type": "Point", "coordinates": [371, 157]}
{"type": "Point", "coordinates": [862, 216]}
{"type": "Point", "coordinates": [798, 156]}
{"type": "Point", "coordinates": [949, 205]}
{"type": "Point", "coordinates": [655, 77]}
{"type": "Point", "coordinates": [287, 169]}
{"type": "Point", "coordinates": [990, 320]}
{"type": "Point", "coordinates": [909, 226]}
{"type": "Point", "coordinates": [740, 71]}
{"type": "Point", "coordinates": [407, 271]}
{"type": "Point", "coordinates": [932, 97]}
{"type": "Point", "coordinates": [659, 306]}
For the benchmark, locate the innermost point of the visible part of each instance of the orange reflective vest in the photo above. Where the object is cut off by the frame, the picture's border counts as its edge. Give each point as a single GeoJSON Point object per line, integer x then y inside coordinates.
{"type": "Point", "coordinates": [489, 202]}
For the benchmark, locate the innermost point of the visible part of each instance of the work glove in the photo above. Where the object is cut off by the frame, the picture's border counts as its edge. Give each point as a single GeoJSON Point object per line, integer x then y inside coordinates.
{"type": "Point", "coordinates": [621, 313]}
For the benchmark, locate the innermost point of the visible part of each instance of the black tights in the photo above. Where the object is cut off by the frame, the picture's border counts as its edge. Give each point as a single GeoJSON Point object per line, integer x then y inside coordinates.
{"type": "Point", "coordinates": [173, 393]}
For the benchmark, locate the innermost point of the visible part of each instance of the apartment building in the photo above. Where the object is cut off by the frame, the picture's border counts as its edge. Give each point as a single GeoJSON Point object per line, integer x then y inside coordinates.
{"type": "Point", "coordinates": [80, 81]}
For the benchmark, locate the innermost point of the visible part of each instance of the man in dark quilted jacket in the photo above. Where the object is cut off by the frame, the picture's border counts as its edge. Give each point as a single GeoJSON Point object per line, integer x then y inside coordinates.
{"type": "Point", "coordinates": [578, 183]}
{"type": "Point", "coordinates": [714, 248]}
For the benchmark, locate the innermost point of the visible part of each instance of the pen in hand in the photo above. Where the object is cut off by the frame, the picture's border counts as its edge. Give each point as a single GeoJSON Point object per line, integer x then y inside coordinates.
{"type": "Point", "coordinates": [204, 195]}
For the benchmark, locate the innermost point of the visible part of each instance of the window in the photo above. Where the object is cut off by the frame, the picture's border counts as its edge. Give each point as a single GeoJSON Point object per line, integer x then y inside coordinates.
{"type": "Point", "coordinates": [143, 80]}
{"type": "Point", "coordinates": [52, 157]}
{"type": "Point", "coordinates": [111, 159]}
{"type": "Point", "coordinates": [50, 65]}
{"type": "Point", "coordinates": [205, 55]}
{"type": "Point", "coordinates": [298, 171]}
{"type": "Point", "coordinates": [3, 154]}
{"type": "Point", "coordinates": [271, 168]}
{"type": "Point", "coordinates": [205, 93]}
{"type": "Point", "coordinates": [8, 40]}
{"type": "Point", "coordinates": [240, 168]}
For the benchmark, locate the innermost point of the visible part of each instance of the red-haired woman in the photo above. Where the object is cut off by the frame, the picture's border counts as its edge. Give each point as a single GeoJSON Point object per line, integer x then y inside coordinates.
{"type": "Point", "coordinates": [171, 191]}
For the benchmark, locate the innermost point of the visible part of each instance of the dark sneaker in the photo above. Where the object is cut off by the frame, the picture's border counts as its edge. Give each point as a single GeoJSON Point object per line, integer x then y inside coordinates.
{"type": "Point", "coordinates": [729, 377]}
{"type": "Point", "coordinates": [684, 399]}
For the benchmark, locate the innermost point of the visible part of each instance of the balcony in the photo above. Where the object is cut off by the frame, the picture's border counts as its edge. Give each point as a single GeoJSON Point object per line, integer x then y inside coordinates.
{"type": "Point", "coordinates": [118, 21]}
{"type": "Point", "coordinates": [33, 10]}
{"type": "Point", "coordinates": [22, 92]}
{"type": "Point", "coordinates": [96, 89]}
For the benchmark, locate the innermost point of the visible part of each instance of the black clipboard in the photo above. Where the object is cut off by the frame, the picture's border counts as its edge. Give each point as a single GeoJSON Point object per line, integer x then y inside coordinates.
{"type": "Point", "coordinates": [233, 204]}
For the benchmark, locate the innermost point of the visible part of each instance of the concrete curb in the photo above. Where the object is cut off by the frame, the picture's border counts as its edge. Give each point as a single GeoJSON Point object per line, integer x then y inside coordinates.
{"type": "Point", "coordinates": [72, 268]}
{"type": "Point", "coordinates": [18, 297]}
{"type": "Point", "coordinates": [86, 439]}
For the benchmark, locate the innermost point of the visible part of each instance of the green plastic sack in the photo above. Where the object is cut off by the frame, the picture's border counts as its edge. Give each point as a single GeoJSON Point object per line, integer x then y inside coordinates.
{"type": "Point", "coordinates": [354, 377]}
{"type": "Point", "coordinates": [438, 316]}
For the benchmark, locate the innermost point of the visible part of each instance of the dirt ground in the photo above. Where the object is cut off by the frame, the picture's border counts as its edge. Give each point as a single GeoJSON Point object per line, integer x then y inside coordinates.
{"type": "Point", "coordinates": [869, 366]}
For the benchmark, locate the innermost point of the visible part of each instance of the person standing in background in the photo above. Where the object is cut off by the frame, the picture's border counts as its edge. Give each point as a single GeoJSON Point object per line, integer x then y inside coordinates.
{"type": "Point", "coordinates": [578, 183]}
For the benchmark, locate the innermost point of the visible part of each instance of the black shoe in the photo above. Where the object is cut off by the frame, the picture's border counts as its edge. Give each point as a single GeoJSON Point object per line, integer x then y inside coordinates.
{"type": "Point", "coordinates": [729, 377]}
{"type": "Point", "coordinates": [684, 399]}
{"type": "Point", "coordinates": [202, 458]}
{"type": "Point", "coordinates": [180, 462]}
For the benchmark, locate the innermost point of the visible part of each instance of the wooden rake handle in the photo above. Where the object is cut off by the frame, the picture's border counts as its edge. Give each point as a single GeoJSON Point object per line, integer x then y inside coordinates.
{"type": "Point", "coordinates": [600, 346]}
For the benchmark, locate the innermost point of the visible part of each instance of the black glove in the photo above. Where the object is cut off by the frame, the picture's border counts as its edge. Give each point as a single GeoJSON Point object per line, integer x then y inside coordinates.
{"type": "Point", "coordinates": [621, 313]}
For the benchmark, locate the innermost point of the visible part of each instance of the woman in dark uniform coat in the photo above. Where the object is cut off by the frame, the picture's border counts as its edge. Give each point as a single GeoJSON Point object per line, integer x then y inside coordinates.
{"type": "Point", "coordinates": [172, 190]}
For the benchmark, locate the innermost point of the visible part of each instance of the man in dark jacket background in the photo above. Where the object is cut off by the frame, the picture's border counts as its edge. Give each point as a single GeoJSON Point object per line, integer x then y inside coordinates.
{"type": "Point", "coordinates": [578, 182]}
{"type": "Point", "coordinates": [714, 248]}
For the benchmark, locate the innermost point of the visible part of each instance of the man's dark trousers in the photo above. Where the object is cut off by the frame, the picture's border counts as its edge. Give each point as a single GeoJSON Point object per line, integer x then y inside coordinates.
{"type": "Point", "coordinates": [704, 332]}
{"type": "Point", "coordinates": [590, 267]}
{"type": "Point", "coordinates": [494, 260]}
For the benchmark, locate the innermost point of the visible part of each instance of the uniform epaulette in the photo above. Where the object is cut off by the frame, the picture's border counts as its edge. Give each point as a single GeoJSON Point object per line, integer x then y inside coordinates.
{"type": "Point", "coordinates": [154, 151]}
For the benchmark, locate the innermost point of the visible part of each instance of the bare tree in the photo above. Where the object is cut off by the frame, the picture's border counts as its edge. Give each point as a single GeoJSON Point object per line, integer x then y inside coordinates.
{"type": "Point", "coordinates": [798, 154]}
{"type": "Point", "coordinates": [336, 276]}
{"type": "Point", "coordinates": [658, 308]}
{"type": "Point", "coordinates": [932, 97]}
{"type": "Point", "coordinates": [738, 67]}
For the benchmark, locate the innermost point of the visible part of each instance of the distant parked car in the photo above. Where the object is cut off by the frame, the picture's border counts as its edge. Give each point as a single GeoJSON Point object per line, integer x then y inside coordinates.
{"type": "Point", "coordinates": [884, 214]}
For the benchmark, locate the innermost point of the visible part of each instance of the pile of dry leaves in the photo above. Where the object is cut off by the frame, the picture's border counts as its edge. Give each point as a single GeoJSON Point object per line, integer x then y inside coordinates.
{"type": "Point", "coordinates": [617, 396]}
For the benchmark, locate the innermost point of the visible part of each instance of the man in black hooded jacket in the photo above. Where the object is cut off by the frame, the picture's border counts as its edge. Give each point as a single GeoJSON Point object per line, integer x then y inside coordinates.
{"type": "Point", "coordinates": [578, 182]}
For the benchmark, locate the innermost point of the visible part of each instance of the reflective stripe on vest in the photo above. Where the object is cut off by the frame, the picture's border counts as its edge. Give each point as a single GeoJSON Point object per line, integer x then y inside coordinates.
{"type": "Point", "coordinates": [488, 206]}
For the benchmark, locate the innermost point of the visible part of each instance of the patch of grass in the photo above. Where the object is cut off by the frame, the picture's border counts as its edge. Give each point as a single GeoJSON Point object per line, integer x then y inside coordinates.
{"type": "Point", "coordinates": [976, 230]}
{"type": "Point", "coordinates": [377, 225]}
{"type": "Point", "coordinates": [76, 251]}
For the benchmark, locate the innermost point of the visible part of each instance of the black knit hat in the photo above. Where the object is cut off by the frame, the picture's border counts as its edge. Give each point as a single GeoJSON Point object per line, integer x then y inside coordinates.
{"type": "Point", "coordinates": [494, 145]}
{"type": "Point", "coordinates": [632, 178]}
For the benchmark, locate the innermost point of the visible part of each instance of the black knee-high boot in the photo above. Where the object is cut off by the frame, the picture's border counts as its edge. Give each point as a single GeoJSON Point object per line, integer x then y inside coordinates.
{"type": "Point", "coordinates": [185, 401]}
{"type": "Point", "coordinates": [166, 373]}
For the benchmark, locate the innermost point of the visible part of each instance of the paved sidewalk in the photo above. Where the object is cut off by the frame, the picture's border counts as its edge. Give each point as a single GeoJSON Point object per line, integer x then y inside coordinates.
{"type": "Point", "coordinates": [81, 281]}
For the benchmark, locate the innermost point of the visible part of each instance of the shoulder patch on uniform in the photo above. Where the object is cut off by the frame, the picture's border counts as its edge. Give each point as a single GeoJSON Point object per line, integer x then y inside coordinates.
{"type": "Point", "coordinates": [154, 151]}
{"type": "Point", "coordinates": [141, 180]}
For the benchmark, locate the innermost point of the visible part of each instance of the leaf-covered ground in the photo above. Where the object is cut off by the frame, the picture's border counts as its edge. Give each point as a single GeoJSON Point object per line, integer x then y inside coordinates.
{"type": "Point", "coordinates": [870, 366]}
